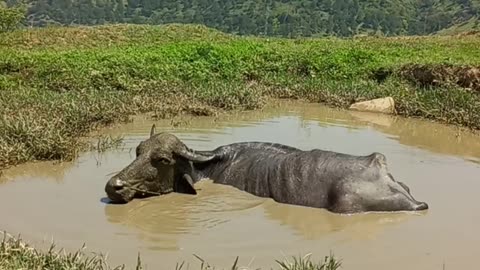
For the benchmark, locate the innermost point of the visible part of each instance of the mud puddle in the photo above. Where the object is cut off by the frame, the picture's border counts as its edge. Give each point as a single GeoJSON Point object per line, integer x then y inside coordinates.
{"type": "Point", "coordinates": [64, 202]}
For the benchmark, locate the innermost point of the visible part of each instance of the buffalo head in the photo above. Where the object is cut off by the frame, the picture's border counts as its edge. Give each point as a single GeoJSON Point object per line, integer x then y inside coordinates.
{"type": "Point", "coordinates": [163, 164]}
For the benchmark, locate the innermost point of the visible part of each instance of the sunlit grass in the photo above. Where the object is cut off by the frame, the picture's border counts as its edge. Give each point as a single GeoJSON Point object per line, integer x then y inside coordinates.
{"type": "Point", "coordinates": [60, 83]}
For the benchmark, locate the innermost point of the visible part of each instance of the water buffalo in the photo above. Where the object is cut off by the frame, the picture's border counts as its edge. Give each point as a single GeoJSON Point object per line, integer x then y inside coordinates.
{"type": "Point", "coordinates": [338, 182]}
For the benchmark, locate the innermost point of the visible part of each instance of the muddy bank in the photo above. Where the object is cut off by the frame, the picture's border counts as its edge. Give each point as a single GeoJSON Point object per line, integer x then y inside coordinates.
{"type": "Point", "coordinates": [435, 75]}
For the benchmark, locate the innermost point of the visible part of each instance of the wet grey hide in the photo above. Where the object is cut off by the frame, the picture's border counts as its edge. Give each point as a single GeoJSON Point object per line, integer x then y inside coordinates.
{"type": "Point", "coordinates": [338, 182]}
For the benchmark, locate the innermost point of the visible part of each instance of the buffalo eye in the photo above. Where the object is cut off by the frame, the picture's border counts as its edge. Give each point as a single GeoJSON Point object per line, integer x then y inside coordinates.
{"type": "Point", "coordinates": [159, 158]}
{"type": "Point", "coordinates": [163, 160]}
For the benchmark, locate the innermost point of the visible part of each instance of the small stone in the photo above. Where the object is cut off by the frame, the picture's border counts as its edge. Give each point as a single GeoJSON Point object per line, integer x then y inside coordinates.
{"type": "Point", "coordinates": [381, 105]}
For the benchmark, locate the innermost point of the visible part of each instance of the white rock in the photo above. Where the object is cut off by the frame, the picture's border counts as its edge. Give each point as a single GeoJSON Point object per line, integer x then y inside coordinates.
{"type": "Point", "coordinates": [381, 105]}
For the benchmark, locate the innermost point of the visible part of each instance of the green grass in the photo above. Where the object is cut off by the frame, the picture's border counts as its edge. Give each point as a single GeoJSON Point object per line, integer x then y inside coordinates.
{"type": "Point", "coordinates": [16, 254]}
{"type": "Point", "coordinates": [65, 38]}
{"type": "Point", "coordinates": [58, 84]}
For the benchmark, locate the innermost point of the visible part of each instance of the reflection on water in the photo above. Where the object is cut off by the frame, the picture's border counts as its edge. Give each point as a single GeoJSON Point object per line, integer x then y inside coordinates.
{"type": "Point", "coordinates": [47, 170]}
{"type": "Point", "coordinates": [413, 132]}
{"type": "Point", "coordinates": [166, 216]}
{"type": "Point", "coordinates": [316, 223]}
{"type": "Point", "coordinates": [222, 222]}
{"type": "Point", "coordinates": [432, 137]}
{"type": "Point", "coordinates": [217, 204]}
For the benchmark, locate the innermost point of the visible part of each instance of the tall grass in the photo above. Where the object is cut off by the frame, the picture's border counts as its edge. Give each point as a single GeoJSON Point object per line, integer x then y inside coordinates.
{"type": "Point", "coordinates": [58, 84]}
{"type": "Point", "coordinates": [16, 254]}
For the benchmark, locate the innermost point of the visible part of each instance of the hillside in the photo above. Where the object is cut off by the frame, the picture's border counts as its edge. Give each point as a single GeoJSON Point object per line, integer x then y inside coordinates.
{"type": "Point", "coordinates": [266, 17]}
{"type": "Point", "coordinates": [469, 26]}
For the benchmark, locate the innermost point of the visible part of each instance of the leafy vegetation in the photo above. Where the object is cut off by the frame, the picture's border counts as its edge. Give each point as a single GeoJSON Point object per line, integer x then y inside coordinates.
{"type": "Point", "coordinates": [59, 84]}
{"type": "Point", "coordinates": [291, 18]}
{"type": "Point", "coordinates": [10, 18]}
{"type": "Point", "coordinates": [15, 254]}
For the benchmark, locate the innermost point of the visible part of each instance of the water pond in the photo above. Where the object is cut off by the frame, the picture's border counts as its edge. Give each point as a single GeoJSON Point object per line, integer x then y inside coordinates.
{"type": "Point", "coordinates": [64, 202]}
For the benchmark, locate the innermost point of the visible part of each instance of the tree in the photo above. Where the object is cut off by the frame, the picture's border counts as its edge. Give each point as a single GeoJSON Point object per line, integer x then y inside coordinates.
{"type": "Point", "coordinates": [288, 18]}
{"type": "Point", "coordinates": [11, 17]}
{"type": "Point", "coordinates": [119, 11]}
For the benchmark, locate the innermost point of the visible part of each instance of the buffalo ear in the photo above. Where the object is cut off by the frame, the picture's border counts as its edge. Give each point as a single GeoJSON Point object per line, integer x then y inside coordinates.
{"type": "Point", "coordinates": [185, 185]}
{"type": "Point", "coordinates": [378, 160]}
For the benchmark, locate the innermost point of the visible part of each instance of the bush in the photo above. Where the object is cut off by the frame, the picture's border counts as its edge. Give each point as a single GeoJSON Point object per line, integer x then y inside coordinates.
{"type": "Point", "coordinates": [10, 18]}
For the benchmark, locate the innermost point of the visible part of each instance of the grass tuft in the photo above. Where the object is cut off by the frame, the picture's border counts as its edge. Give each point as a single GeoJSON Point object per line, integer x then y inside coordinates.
{"type": "Point", "coordinates": [304, 263]}
{"type": "Point", "coordinates": [15, 254]}
{"type": "Point", "coordinates": [106, 142]}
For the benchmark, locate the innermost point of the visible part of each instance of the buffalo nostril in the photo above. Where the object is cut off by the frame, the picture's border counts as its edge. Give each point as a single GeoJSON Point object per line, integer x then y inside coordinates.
{"type": "Point", "coordinates": [118, 184]}
{"type": "Point", "coordinates": [421, 206]}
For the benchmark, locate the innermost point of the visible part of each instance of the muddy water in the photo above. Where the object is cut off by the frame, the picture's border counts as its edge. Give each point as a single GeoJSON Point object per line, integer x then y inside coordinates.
{"type": "Point", "coordinates": [65, 202]}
